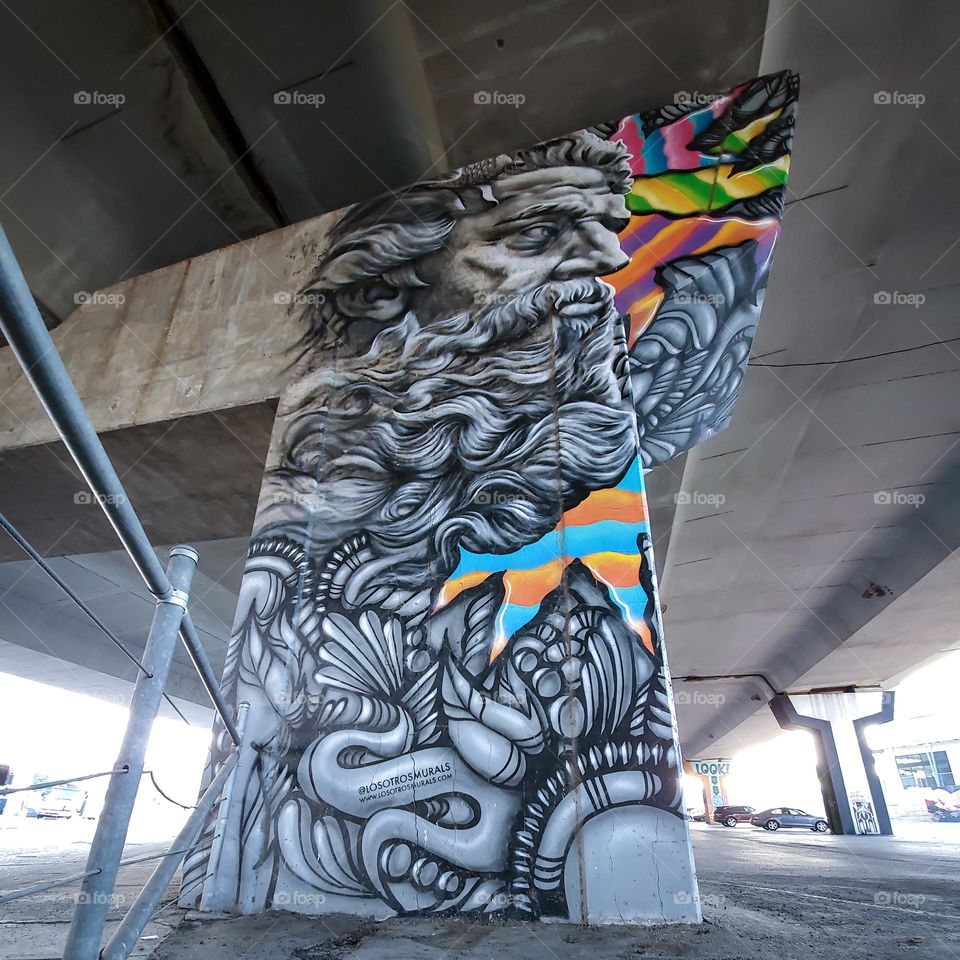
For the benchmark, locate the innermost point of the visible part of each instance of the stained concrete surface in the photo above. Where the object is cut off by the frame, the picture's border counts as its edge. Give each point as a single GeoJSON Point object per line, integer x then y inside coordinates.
{"type": "Point", "coordinates": [789, 895]}
{"type": "Point", "coordinates": [35, 851]}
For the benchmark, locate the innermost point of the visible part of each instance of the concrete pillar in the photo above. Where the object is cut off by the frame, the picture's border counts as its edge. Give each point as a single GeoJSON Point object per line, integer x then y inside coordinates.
{"type": "Point", "coordinates": [852, 792]}
{"type": "Point", "coordinates": [713, 775]}
{"type": "Point", "coordinates": [449, 631]}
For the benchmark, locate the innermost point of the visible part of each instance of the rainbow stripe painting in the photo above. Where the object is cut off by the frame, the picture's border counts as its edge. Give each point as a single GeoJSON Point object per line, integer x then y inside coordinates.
{"type": "Point", "coordinates": [691, 194]}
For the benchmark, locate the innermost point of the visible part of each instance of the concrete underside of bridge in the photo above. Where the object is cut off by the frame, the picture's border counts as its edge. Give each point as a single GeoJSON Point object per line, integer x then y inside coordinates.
{"type": "Point", "coordinates": [816, 542]}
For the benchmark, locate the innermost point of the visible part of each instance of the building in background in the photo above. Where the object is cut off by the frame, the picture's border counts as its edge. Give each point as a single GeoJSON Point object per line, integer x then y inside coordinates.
{"type": "Point", "coordinates": [920, 763]}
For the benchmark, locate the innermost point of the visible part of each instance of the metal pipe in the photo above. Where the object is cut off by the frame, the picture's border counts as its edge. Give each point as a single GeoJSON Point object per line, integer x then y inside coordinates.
{"type": "Point", "coordinates": [155, 856]}
{"type": "Point", "coordinates": [31, 343]}
{"type": "Point", "coordinates": [41, 562]}
{"type": "Point", "coordinates": [74, 878]}
{"type": "Point", "coordinates": [125, 937]}
{"type": "Point", "coordinates": [216, 844]}
{"type": "Point", "coordinates": [43, 887]}
{"type": "Point", "coordinates": [83, 940]}
{"type": "Point", "coordinates": [188, 633]}
{"type": "Point", "coordinates": [59, 783]}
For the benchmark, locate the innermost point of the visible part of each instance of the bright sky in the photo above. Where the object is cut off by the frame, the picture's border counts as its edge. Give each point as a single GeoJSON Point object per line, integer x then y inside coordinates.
{"type": "Point", "coordinates": [926, 702]}
{"type": "Point", "coordinates": [58, 734]}
{"type": "Point", "coordinates": [782, 772]}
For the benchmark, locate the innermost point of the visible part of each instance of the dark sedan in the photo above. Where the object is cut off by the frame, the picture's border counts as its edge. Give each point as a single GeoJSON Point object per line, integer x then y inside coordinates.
{"type": "Point", "coordinates": [777, 817]}
{"type": "Point", "coordinates": [730, 816]}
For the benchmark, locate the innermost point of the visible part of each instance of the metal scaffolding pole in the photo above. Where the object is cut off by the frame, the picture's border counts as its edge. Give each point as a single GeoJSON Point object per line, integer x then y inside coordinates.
{"type": "Point", "coordinates": [22, 325]}
{"type": "Point", "coordinates": [125, 937]}
{"type": "Point", "coordinates": [83, 942]}
{"type": "Point", "coordinates": [43, 785]}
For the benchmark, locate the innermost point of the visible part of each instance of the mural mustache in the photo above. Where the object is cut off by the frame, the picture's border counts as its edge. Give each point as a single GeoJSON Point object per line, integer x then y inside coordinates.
{"type": "Point", "coordinates": [447, 633]}
{"type": "Point", "coordinates": [453, 437]}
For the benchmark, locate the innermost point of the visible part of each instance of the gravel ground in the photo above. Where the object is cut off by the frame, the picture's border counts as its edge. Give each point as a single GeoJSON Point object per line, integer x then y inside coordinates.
{"type": "Point", "coordinates": [786, 896]}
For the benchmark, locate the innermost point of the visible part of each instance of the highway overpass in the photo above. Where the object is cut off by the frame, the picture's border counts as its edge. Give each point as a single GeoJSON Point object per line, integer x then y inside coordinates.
{"type": "Point", "coordinates": [813, 544]}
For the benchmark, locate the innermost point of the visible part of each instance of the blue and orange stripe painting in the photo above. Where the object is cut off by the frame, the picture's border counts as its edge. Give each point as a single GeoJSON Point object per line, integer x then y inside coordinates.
{"type": "Point", "coordinates": [677, 204]}
{"type": "Point", "coordinates": [603, 531]}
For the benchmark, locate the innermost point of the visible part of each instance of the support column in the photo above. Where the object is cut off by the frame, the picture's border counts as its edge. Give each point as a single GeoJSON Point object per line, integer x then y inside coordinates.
{"type": "Point", "coordinates": [448, 630]}
{"type": "Point", "coordinates": [713, 776]}
{"type": "Point", "coordinates": [852, 793]}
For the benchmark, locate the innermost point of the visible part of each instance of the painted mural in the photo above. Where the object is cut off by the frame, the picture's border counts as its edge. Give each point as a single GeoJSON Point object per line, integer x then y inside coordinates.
{"type": "Point", "coordinates": [713, 776]}
{"type": "Point", "coordinates": [448, 630]}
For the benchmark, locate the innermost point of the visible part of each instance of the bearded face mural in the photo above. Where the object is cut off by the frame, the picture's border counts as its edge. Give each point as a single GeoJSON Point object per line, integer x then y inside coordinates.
{"type": "Point", "coordinates": [448, 636]}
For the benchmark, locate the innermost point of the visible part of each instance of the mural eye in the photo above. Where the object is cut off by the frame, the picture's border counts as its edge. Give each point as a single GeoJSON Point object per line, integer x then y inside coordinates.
{"type": "Point", "coordinates": [538, 236]}
{"type": "Point", "coordinates": [541, 231]}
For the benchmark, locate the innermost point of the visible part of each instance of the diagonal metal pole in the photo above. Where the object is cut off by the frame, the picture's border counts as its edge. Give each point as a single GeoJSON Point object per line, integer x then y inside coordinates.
{"type": "Point", "coordinates": [32, 345]}
{"type": "Point", "coordinates": [125, 937]}
{"type": "Point", "coordinates": [89, 916]}
{"type": "Point", "coordinates": [30, 788]}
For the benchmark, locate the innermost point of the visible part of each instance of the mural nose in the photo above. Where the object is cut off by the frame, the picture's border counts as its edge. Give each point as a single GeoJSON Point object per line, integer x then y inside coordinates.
{"type": "Point", "coordinates": [619, 265]}
{"type": "Point", "coordinates": [596, 254]}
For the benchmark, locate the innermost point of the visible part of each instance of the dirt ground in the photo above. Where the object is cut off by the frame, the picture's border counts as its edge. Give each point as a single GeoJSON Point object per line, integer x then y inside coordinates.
{"type": "Point", "coordinates": [744, 931]}
{"type": "Point", "coordinates": [789, 896]}
{"type": "Point", "coordinates": [785, 896]}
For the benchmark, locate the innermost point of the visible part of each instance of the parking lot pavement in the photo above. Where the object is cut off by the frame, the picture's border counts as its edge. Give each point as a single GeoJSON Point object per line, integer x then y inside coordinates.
{"type": "Point", "coordinates": [34, 851]}
{"type": "Point", "coordinates": [831, 896]}
{"type": "Point", "coordinates": [792, 895]}
{"type": "Point", "coordinates": [918, 851]}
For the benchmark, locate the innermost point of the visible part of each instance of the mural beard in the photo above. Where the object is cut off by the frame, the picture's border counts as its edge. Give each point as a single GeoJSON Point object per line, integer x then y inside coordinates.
{"type": "Point", "coordinates": [452, 434]}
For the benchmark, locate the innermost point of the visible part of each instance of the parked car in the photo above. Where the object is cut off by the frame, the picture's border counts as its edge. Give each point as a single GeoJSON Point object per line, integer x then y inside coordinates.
{"type": "Point", "coordinates": [777, 817]}
{"type": "Point", "coordinates": [730, 815]}
{"type": "Point", "coordinates": [60, 802]}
